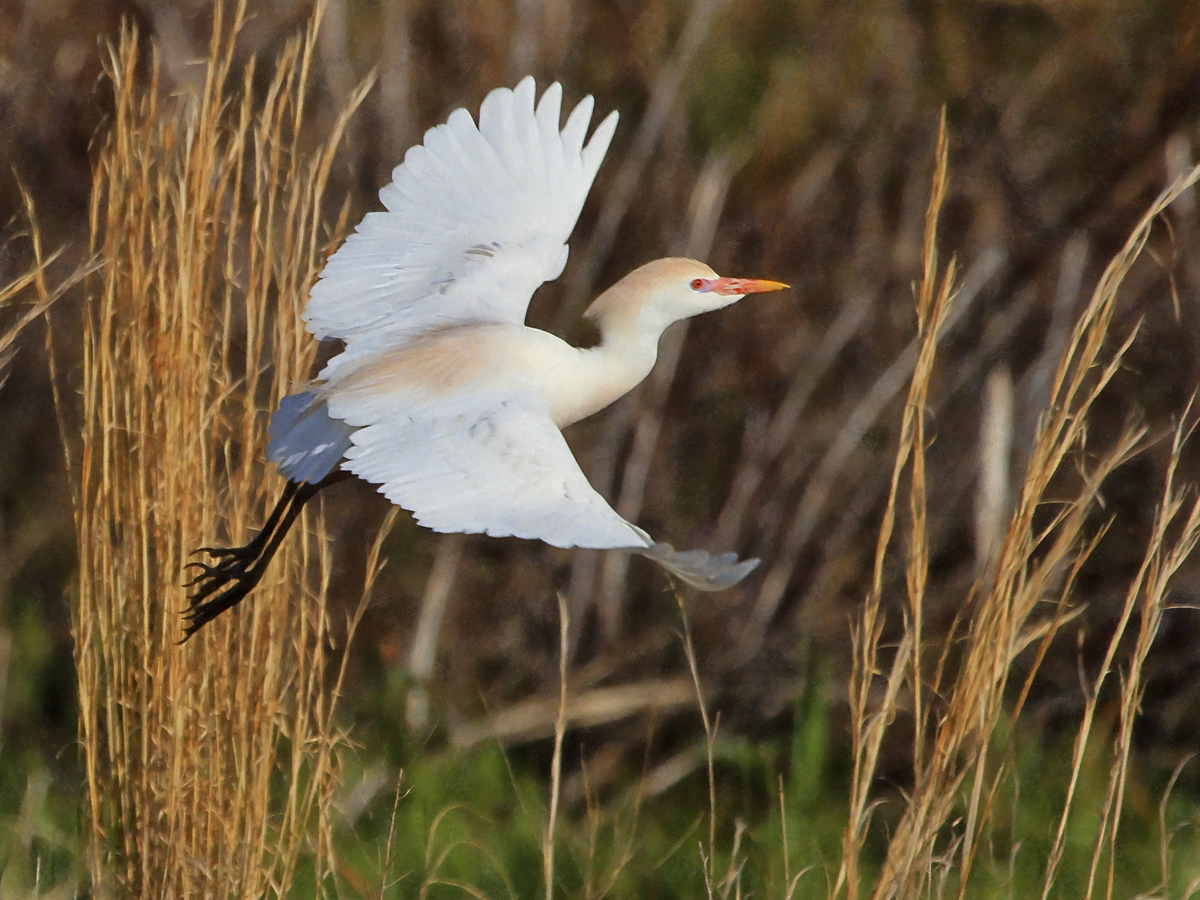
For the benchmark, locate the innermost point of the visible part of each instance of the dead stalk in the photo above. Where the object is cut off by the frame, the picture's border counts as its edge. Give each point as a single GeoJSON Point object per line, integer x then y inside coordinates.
{"type": "Point", "coordinates": [954, 743]}
{"type": "Point", "coordinates": [207, 221]}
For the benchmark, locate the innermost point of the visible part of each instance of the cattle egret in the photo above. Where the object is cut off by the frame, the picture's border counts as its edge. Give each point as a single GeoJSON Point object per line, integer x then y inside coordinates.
{"type": "Point", "coordinates": [443, 396]}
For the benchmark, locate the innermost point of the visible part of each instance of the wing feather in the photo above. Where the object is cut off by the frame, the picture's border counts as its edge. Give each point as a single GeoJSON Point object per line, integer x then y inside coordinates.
{"type": "Point", "coordinates": [477, 217]}
{"type": "Point", "coordinates": [549, 114]}
{"type": "Point", "coordinates": [482, 464]}
{"type": "Point", "coordinates": [490, 463]}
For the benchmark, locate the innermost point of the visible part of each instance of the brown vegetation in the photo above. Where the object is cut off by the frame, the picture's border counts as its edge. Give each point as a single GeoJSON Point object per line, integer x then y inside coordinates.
{"type": "Point", "coordinates": [818, 431]}
{"type": "Point", "coordinates": [206, 216]}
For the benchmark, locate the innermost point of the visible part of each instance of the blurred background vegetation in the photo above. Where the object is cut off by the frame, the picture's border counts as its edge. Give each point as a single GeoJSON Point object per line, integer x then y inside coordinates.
{"type": "Point", "coordinates": [787, 139]}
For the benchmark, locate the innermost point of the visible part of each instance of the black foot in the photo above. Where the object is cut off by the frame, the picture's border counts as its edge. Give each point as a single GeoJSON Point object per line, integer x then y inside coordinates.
{"type": "Point", "coordinates": [236, 570]}
{"type": "Point", "coordinates": [222, 586]}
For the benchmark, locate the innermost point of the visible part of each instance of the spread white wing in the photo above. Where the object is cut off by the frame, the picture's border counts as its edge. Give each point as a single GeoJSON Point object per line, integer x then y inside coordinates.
{"type": "Point", "coordinates": [477, 218]}
{"type": "Point", "coordinates": [481, 463]}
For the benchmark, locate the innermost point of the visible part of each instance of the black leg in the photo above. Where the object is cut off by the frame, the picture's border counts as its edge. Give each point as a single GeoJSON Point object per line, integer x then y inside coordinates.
{"type": "Point", "coordinates": [254, 549]}
{"type": "Point", "coordinates": [226, 583]}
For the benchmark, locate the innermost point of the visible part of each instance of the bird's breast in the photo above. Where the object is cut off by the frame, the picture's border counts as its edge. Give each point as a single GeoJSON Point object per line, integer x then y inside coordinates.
{"type": "Point", "coordinates": [515, 361]}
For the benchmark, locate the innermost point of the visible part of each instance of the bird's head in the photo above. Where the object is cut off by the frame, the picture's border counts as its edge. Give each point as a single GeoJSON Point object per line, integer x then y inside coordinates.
{"type": "Point", "coordinates": [667, 290]}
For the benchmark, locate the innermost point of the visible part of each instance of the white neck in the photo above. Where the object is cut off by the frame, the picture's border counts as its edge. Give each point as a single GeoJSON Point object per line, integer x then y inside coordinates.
{"type": "Point", "coordinates": [631, 315]}
{"type": "Point", "coordinates": [624, 357]}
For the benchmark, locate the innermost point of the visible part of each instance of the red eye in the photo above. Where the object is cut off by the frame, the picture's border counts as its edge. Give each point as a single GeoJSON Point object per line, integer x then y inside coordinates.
{"type": "Point", "coordinates": [697, 283]}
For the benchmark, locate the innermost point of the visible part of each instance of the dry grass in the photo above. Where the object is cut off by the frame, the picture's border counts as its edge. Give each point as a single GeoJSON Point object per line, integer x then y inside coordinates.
{"type": "Point", "coordinates": [206, 220]}
{"type": "Point", "coordinates": [30, 281]}
{"type": "Point", "coordinates": [959, 695]}
{"type": "Point", "coordinates": [560, 728]}
{"type": "Point", "coordinates": [8, 295]}
{"type": "Point", "coordinates": [206, 215]}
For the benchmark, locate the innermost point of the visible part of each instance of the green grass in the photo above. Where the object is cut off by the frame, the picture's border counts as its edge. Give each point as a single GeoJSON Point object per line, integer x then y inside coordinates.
{"type": "Point", "coordinates": [474, 819]}
{"type": "Point", "coordinates": [470, 823]}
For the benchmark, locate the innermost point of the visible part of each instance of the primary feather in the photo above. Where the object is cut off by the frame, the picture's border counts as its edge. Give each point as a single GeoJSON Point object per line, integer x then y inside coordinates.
{"type": "Point", "coordinates": [476, 219]}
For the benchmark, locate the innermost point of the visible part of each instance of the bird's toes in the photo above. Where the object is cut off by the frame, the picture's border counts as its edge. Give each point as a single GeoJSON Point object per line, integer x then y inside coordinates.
{"type": "Point", "coordinates": [207, 585]}
{"type": "Point", "coordinates": [222, 573]}
{"type": "Point", "coordinates": [204, 608]}
{"type": "Point", "coordinates": [205, 569]}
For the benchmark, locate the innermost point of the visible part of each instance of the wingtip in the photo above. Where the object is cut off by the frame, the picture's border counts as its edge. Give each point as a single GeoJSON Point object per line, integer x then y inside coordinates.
{"type": "Point", "coordinates": [597, 146]}
{"type": "Point", "coordinates": [524, 92]}
{"type": "Point", "coordinates": [701, 569]}
{"type": "Point", "coordinates": [574, 132]}
{"type": "Point", "coordinates": [549, 110]}
{"type": "Point", "coordinates": [496, 107]}
{"type": "Point", "coordinates": [605, 130]}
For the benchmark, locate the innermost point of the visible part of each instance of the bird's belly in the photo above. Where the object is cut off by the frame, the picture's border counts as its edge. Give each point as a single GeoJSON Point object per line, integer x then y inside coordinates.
{"type": "Point", "coordinates": [570, 397]}
{"type": "Point", "coordinates": [516, 361]}
{"type": "Point", "coordinates": [496, 359]}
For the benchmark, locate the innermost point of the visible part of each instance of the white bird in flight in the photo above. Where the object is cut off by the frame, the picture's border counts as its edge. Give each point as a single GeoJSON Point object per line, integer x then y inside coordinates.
{"type": "Point", "coordinates": [443, 396]}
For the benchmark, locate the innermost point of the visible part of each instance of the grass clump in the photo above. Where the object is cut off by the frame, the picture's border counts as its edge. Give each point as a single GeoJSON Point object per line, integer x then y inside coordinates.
{"type": "Point", "coordinates": [208, 765]}
{"type": "Point", "coordinates": [963, 696]}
